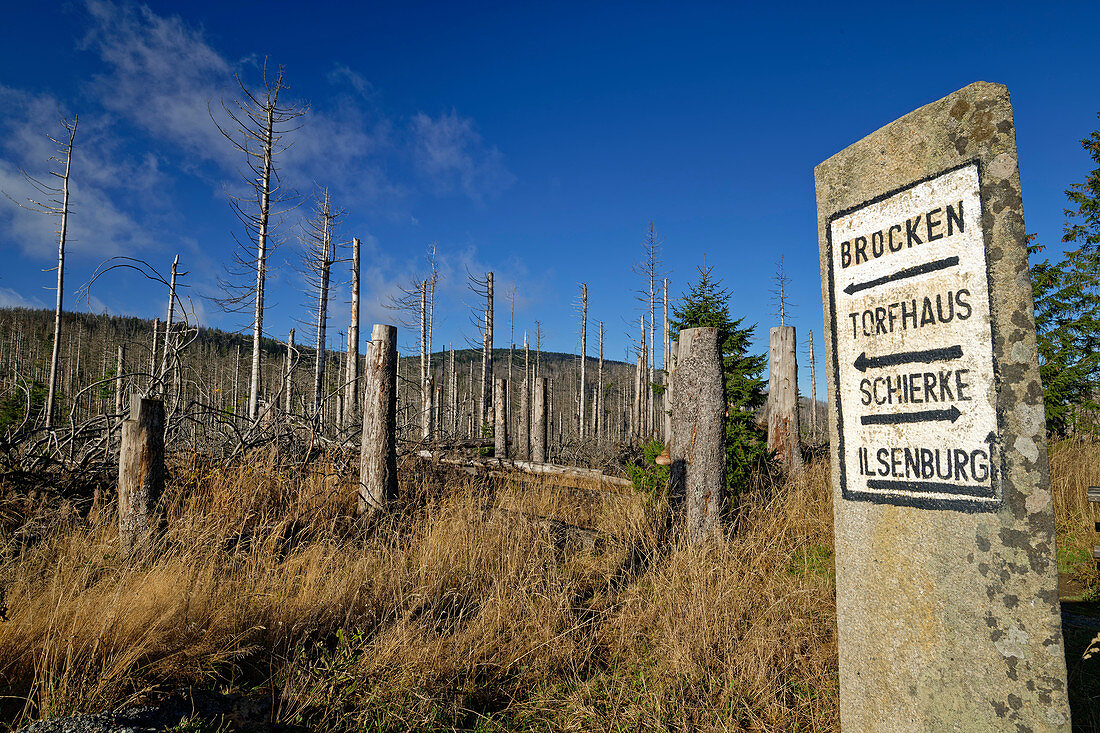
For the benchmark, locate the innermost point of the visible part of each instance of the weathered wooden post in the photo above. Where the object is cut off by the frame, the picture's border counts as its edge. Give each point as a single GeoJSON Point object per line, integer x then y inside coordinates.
{"type": "Point", "coordinates": [783, 434]}
{"type": "Point", "coordinates": [140, 471]}
{"type": "Point", "coordinates": [500, 418]}
{"type": "Point", "coordinates": [946, 580]}
{"type": "Point", "coordinates": [698, 446]}
{"type": "Point", "coordinates": [378, 454]}
{"type": "Point", "coordinates": [538, 423]}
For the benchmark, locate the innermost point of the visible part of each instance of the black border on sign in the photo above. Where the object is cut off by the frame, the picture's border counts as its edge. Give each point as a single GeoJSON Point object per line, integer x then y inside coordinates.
{"type": "Point", "coordinates": [996, 467]}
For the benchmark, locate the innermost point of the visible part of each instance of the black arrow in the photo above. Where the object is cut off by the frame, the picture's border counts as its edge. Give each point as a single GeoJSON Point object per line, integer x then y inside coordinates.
{"type": "Point", "coordinates": [951, 414]}
{"type": "Point", "coordinates": [903, 274]}
{"type": "Point", "coordinates": [978, 492]}
{"type": "Point", "coordinates": [864, 362]}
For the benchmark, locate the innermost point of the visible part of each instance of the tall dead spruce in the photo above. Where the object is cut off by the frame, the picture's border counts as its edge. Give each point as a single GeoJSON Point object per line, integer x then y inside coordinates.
{"type": "Point", "coordinates": [319, 252]}
{"type": "Point", "coordinates": [52, 199]}
{"type": "Point", "coordinates": [351, 388]}
{"type": "Point", "coordinates": [483, 287]}
{"type": "Point", "coordinates": [256, 124]}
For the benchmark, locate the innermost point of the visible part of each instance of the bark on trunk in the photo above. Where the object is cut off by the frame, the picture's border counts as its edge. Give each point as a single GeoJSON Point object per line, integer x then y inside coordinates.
{"type": "Point", "coordinates": [783, 398]}
{"type": "Point", "coordinates": [62, 232]}
{"type": "Point", "coordinates": [118, 379]}
{"type": "Point", "coordinates": [351, 399]}
{"type": "Point", "coordinates": [538, 423]}
{"type": "Point", "coordinates": [378, 454]}
{"type": "Point", "coordinates": [698, 448]}
{"type": "Point", "coordinates": [140, 471]}
{"type": "Point", "coordinates": [581, 412]}
{"type": "Point", "coordinates": [261, 263]}
{"type": "Point", "coordinates": [500, 418]}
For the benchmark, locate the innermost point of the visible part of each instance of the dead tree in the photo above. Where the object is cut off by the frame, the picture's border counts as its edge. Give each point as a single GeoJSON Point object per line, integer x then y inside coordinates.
{"type": "Point", "coordinates": [425, 369]}
{"type": "Point", "coordinates": [599, 429]}
{"type": "Point", "coordinates": [523, 437]}
{"type": "Point", "coordinates": [140, 471]}
{"type": "Point", "coordinates": [485, 287]}
{"type": "Point", "coordinates": [500, 418]}
{"type": "Point", "coordinates": [351, 388]}
{"type": "Point", "coordinates": [53, 200]}
{"type": "Point", "coordinates": [415, 305]}
{"type": "Point", "coordinates": [118, 378]}
{"type": "Point", "coordinates": [288, 378]}
{"type": "Point", "coordinates": [665, 366]}
{"type": "Point", "coordinates": [256, 125]}
{"type": "Point", "coordinates": [649, 268]}
{"type": "Point", "coordinates": [153, 359]}
{"type": "Point", "coordinates": [813, 390]}
{"type": "Point", "coordinates": [539, 423]}
{"type": "Point", "coordinates": [783, 428]}
{"type": "Point", "coordinates": [584, 357]}
{"type": "Point", "coordinates": [378, 451]}
{"type": "Point", "coordinates": [511, 337]}
{"type": "Point", "coordinates": [698, 449]}
{"type": "Point", "coordinates": [319, 253]}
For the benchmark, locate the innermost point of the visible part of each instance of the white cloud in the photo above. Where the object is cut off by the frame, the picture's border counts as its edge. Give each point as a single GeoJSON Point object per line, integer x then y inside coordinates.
{"type": "Point", "coordinates": [450, 152]}
{"type": "Point", "coordinates": [162, 75]}
{"type": "Point", "coordinates": [108, 188]}
{"type": "Point", "coordinates": [11, 299]}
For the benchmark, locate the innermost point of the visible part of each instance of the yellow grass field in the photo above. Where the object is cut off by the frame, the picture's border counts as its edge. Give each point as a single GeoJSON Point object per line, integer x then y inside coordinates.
{"type": "Point", "coordinates": [462, 611]}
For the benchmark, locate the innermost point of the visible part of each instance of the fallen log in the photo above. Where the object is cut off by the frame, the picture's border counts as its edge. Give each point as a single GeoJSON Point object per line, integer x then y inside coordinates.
{"type": "Point", "coordinates": [542, 469]}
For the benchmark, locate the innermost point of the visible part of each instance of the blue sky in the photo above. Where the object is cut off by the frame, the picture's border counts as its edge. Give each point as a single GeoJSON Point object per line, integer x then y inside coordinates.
{"type": "Point", "coordinates": [535, 140]}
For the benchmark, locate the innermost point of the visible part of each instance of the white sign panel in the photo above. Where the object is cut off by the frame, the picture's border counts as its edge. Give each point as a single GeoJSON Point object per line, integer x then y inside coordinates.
{"type": "Point", "coordinates": [912, 344]}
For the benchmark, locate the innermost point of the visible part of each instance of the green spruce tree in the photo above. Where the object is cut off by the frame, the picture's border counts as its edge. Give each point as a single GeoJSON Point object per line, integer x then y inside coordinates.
{"type": "Point", "coordinates": [1067, 309]}
{"type": "Point", "coordinates": [706, 304]}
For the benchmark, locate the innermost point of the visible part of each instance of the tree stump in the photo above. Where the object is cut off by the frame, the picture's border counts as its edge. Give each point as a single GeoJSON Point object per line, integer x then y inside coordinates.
{"type": "Point", "coordinates": [140, 471]}
{"type": "Point", "coordinates": [783, 433]}
{"type": "Point", "coordinates": [378, 455]}
{"type": "Point", "coordinates": [698, 445]}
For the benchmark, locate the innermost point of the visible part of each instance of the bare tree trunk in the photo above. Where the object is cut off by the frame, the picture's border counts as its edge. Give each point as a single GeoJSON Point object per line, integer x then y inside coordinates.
{"type": "Point", "coordinates": [813, 392]}
{"type": "Point", "coordinates": [523, 442]}
{"type": "Point", "coordinates": [698, 449]}
{"type": "Point", "coordinates": [584, 358]}
{"type": "Point", "coordinates": [500, 418]}
{"type": "Point", "coordinates": [167, 359]}
{"type": "Point", "coordinates": [321, 258]}
{"type": "Point", "coordinates": [487, 356]}
{"type": "Point", "coordinates": [671, 357]}
{"type": "Point", "coordinates": [538, 424]}
{"type": "Point", "coordinates": [261, 264]}
{"type": "Point", "coordinates": [63, 229]}
{"type": "Point", "coordinates": [378, 452]}
{"type": "Point", "coordinates": [783, 399]}
{"type": "Point", "coordinates": [600, 417]}
{"type": "Point", "coordinates": [118, 378]}
{"type": "Point", "coordinates": [288, 379]}
{"type": "Point", "coordinates": [454, 395]}
{"type": "Point", "coordinates": [425, 378]}
{"type": "Point", "coordinates": [511, 340]}
{"type": "Point", "coordinates": [665, 366]}
{"type": "Point", "coordinates": [140, 471]}
{"type": "Point", "coordinates": [351, 400]}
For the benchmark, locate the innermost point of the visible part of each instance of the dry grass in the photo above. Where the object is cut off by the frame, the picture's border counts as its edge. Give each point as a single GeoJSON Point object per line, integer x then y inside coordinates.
{"type": "Point", "coordinates": [447, 615]}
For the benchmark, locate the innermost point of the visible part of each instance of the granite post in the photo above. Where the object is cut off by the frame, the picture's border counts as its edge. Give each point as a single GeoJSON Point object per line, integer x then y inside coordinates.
{"type": "Point", "coordinates": [947, 595]}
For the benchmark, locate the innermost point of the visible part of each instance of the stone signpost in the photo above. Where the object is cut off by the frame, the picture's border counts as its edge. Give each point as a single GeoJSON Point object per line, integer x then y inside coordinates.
{"type": "Point", "coordinates": [947, 589]}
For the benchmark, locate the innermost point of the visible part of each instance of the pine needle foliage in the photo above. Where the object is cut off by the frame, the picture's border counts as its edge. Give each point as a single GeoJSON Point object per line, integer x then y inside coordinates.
{"type": "Point", "coordinates": [706, 304]}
